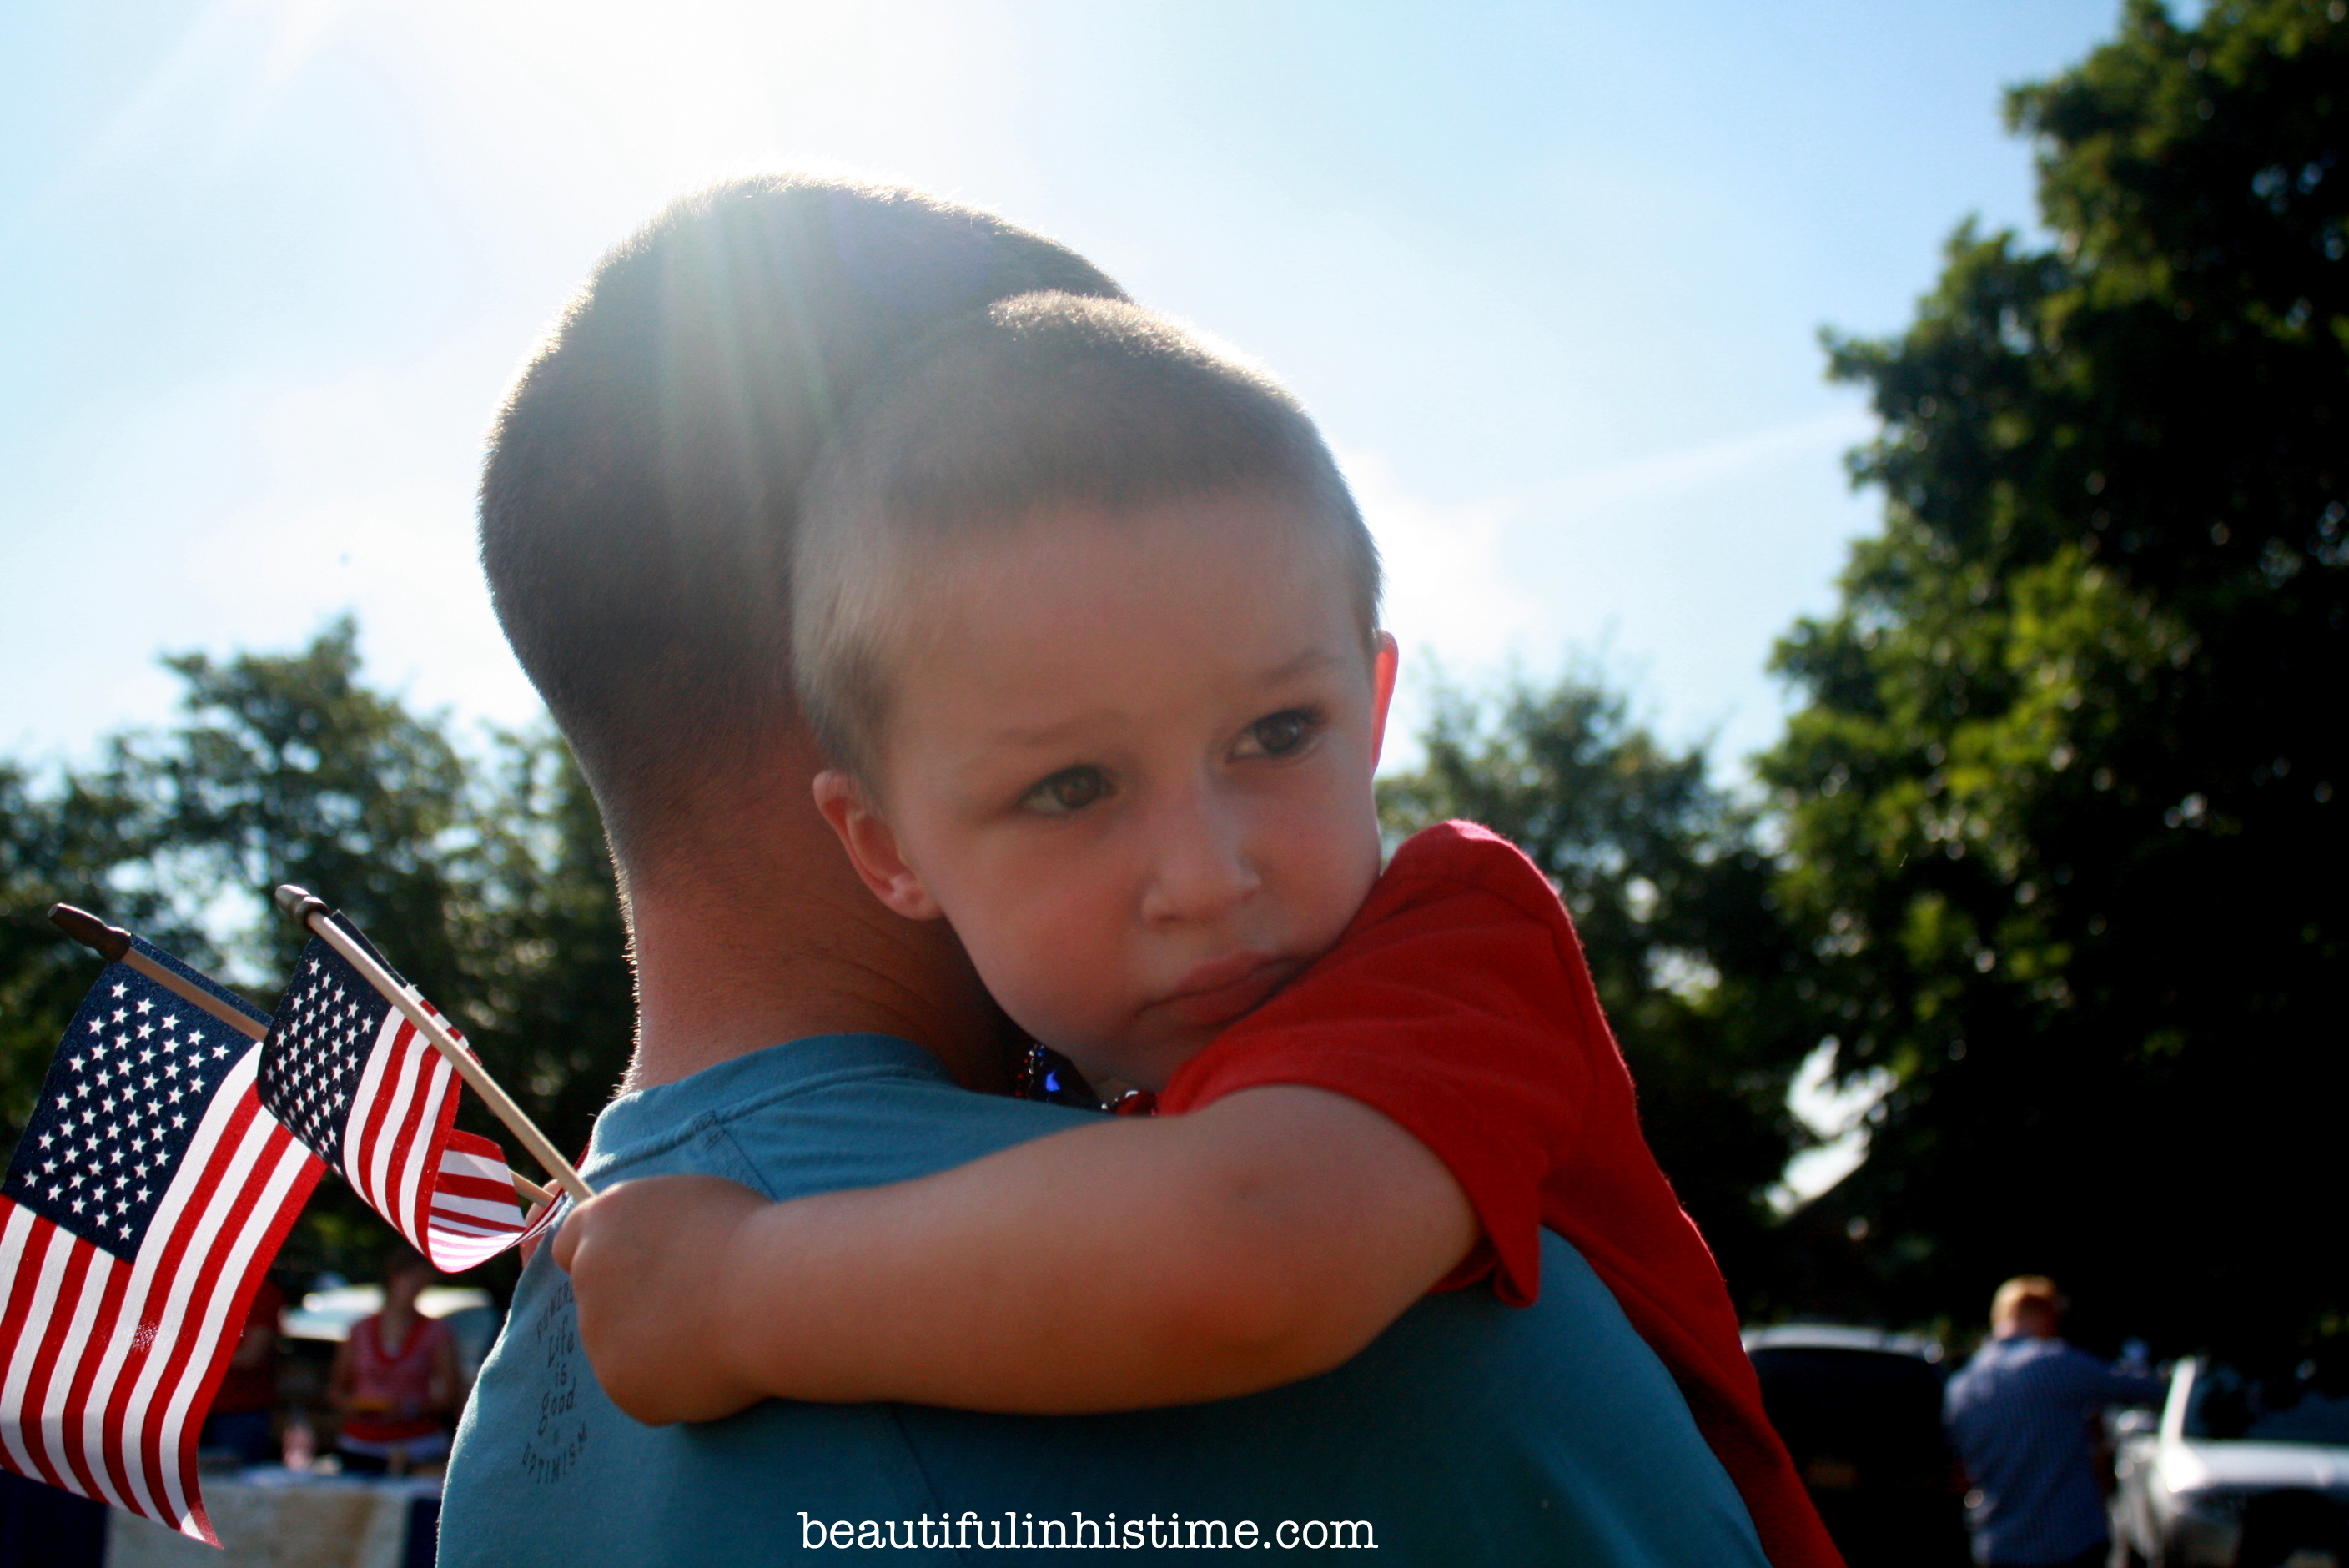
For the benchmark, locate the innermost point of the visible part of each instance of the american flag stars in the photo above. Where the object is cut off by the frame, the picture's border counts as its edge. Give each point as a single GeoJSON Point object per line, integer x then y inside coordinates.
{"type": "Point", "coordinates": [326, 1023]}
{"type": "Point", "coordinates": [118, 1111]}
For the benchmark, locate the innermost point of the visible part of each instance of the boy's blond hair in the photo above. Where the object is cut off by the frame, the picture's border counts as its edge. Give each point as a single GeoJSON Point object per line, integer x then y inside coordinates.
{"type": "Point", "coordinates": [1046, 401]}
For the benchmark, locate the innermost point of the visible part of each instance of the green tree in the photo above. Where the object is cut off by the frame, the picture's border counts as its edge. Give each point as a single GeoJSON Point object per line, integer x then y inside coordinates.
{"type": "Point", "coordinates": [287, 768]}
{"type": "Point", "coordinates": [57, 845]}
{"type": "Point", "coordinates": [1673, 900]}
{"type": "Point", "coordinates": [2061, 803]}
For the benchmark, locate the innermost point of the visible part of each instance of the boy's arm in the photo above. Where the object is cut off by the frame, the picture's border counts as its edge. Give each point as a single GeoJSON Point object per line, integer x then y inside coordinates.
{"type": "Point", "coordinates": [1262, 1239]}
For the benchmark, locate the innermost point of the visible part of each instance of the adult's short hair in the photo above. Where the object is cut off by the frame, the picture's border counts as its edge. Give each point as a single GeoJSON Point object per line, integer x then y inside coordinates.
{"type": "Point", "coordinates": [398, 1260]}
{"type": "Point", "coordinates": [1042, 402]}
{"type": "Point", "coordinates": [644, 478]}
{"type": "Point", "coordinates": [2026, 1292]}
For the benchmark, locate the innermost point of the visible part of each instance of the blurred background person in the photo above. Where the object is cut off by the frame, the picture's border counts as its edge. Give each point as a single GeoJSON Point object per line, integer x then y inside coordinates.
{"type": "Point", "coordinates": [243, 1413]}
{"type": "Point", "coordinates": [396, 1379]}
{"type": "Point", "coordinates": [2019, 1415]}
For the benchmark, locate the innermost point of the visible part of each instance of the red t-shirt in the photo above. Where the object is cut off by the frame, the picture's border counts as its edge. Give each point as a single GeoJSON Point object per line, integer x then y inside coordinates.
{"type": "Point", "coordinates": [1458, 1004]}
{"type": "Point", "coordinates": [398, 1385]}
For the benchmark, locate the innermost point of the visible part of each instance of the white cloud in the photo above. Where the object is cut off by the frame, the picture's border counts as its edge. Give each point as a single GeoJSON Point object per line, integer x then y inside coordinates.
{"type": "Point", "coordinates": [367, 503]}
{"type": "Point", "coordinates": [1452, 608]}
{"type": "Point", "coordinates": [1649, 479]}
{"type": "Point", "coordinates": [1445, 588]}
{"type": "Point", "coordinates": [1673, 565]}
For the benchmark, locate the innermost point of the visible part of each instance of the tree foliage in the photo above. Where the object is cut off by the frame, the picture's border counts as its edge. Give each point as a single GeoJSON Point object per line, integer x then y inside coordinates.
{"type": "Point", "coordinates": [57, 844]}
{"type": "Point", "coordinates": [2062, 810]}
{"type": "Point", "coordinates": [1671, 898]}
{"type": "Point", "coordinates": [482, 874]}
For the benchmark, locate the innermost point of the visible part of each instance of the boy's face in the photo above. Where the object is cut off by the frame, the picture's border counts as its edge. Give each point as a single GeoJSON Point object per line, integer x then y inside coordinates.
{"type": "Point", "coordinates": [1129, 759]}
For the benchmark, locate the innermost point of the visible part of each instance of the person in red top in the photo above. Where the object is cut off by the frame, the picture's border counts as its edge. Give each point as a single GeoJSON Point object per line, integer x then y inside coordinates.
{"type": "Point", "coordinates": [1086, 623]}
{"type": "Point", "coordinates": [396, 1379]}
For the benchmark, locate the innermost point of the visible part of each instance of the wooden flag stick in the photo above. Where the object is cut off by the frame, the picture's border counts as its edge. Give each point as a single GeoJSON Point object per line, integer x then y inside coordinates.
{"type": "Point", "coordinates": [113, 944]}
{"type": "Point", "coordinates": [311, 912]}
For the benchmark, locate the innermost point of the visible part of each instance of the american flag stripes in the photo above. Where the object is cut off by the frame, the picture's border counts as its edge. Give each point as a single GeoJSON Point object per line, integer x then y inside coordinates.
{"type": "Point", "coordinates": [150, 1191]}
{"type": "Point", "coordinates": [356, 1081]}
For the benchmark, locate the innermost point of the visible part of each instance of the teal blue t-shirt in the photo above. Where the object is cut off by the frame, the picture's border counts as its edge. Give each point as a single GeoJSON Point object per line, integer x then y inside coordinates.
{"type": "Point", "coordinates": [1469, 1432]}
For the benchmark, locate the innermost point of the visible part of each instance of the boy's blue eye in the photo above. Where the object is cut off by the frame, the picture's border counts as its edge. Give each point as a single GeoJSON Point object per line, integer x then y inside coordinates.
{"type": "Point", "coordinates": [1070, 789]}
{"type": "Point", "coordinates": [1280, 734]}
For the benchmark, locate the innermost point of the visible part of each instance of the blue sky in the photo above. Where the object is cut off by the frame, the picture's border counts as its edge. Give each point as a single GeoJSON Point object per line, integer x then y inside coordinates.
{"type": "Point", "coordinates": [1550, 275]}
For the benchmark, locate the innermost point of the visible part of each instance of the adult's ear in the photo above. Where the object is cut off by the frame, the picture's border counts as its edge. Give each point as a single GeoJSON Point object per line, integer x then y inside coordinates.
{"type": "Point", "coordinates": [1385, 660]}
{"type": "Point", "coordinates": [872, 847]}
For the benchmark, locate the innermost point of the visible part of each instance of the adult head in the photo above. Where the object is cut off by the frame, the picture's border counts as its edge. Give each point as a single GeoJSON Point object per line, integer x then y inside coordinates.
{"type": "Point", "coordinates": [406, 1274]}
{"type": "Point", "coordinates": [644, 477]}
{"type": "Point", "coordinates": [2027, 1304]}
{"type": "Point", "coordinates": [637, 509]}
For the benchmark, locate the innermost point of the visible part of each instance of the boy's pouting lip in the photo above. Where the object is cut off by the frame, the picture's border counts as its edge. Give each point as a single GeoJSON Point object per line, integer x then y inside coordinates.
{"type": "Point", "coordinates": [1129, 755]}
{"type": "Point", "coordinates": [1222, 989]}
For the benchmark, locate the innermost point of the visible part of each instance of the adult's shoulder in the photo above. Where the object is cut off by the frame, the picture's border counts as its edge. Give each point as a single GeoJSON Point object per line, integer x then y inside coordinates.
{"type": "Point", "coordinates": [814, 1115]}
{"type": "Point", "coordinates": [1973, 1381]}
{"type": "Point", "coordinates": [1469, 1432]}
{"type": "Point", "coordinates": [547, 1470]}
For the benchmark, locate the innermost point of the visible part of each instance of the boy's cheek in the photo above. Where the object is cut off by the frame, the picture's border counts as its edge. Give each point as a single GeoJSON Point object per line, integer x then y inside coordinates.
{"type": "Point", "coordinates": [1031, 999]}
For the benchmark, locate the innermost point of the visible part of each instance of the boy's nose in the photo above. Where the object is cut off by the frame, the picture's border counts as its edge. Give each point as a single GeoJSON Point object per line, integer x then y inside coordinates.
{"type": "Point", "coordinates": [1200, 867]}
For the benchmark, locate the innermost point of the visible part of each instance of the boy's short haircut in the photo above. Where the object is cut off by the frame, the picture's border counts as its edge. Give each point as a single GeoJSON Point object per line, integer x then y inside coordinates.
{"type": "Point", "coordinates": [643, 481]}
{"type": "Point", "coordinates": [1043, 402]}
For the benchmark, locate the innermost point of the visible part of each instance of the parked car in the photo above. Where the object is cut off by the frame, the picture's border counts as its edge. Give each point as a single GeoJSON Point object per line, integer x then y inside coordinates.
{"type": "Point", "coordinates": [2241, 1470]}
{"type": "Point", "coordinates": [1860, 1410]}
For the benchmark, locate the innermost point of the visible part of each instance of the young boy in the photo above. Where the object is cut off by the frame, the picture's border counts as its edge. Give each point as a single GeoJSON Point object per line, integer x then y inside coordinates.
{"type": "Point", "coordinates": [1086, 621]}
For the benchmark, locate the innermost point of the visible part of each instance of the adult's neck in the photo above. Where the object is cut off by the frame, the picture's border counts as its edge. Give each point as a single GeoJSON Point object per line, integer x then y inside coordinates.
{"type": "Point", "coordinates": [750, 928]}
{"type": "Point", "coordinates": [2027, 1328]}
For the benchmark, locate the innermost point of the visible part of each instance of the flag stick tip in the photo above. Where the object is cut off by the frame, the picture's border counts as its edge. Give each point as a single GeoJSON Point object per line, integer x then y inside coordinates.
{"type": "Point", "coordinates": [298, 903]}
{"type": "Point", "coordinates": [109, 941]}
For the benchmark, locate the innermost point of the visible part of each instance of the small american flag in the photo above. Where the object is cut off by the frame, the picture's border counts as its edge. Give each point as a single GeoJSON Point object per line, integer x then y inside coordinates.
{"type": "Point", "coordinates": [360, 1085]}
{"type": "Point", "coordinates": [149, 1194]}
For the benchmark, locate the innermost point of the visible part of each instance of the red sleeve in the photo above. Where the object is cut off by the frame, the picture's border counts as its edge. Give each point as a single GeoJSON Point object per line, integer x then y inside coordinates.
{"type": "Point", "coordinates": [1458, 1005]}
{"type": "Point", "coordinates": [1446, 1007]}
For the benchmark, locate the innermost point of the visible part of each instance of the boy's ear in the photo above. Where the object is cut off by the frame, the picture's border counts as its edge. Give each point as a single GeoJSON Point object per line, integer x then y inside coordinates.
{"type": "Point", "coordinates": [1384, 661]}
{"type": "Point", "coordinates": [872, 847]}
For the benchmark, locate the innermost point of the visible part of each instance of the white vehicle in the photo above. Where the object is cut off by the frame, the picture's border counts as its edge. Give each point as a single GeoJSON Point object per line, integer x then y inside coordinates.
{"type": "Point", "coordinates": [2239, 1472]}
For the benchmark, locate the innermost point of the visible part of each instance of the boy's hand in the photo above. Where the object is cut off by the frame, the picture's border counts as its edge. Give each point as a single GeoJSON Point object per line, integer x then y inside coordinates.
{"type": "Point", "coordinates": [647, 1262]}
